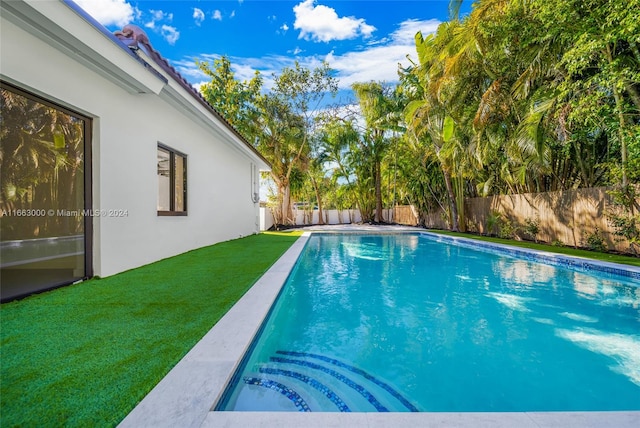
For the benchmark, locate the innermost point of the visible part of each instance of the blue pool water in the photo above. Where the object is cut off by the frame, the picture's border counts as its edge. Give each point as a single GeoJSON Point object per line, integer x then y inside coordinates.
{"type": "Point", "coordinates": [371, 323]}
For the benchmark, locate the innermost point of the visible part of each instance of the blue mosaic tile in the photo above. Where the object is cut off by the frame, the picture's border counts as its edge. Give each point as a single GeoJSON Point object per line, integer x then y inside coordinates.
{"type": "Point", "coordinates": [295, 398]}
{"type": "Point", "coordinates": [356, 370]}
{"type": "Point", "coordinates": [574, 263]}
{"type": "Point", "coordinates": [366, 394]}
{"type": "Point", "coordinates": [332, 396]}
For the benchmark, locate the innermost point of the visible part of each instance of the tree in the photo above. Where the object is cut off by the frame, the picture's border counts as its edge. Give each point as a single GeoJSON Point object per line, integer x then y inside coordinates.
{"type": "Point", "coordinates": [281, 141]}
{"type": "Point", "coordinates": [237, 101]}
{"type": "Point", "coordinates": [427, 117]}
{"type": "Point", "coordinates": [377, 106]}
{"type": "Point", "coordinates": [300, 92]}
{"type": "Point", "coordinates": [600, 55]}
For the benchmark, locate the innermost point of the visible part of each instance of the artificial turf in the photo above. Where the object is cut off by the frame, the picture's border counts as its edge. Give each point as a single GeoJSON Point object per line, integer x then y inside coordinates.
{"type": "Point", "coordinates": [86, 354]}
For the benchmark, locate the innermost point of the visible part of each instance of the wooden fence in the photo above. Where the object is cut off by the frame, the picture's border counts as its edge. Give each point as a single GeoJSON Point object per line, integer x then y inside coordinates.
{"type": "Point", "coordinates": [567, 217]}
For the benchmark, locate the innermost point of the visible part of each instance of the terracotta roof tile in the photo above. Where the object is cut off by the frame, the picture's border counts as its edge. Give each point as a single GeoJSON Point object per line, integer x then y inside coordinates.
{"type": "Point", "coordinates": [135, 38]}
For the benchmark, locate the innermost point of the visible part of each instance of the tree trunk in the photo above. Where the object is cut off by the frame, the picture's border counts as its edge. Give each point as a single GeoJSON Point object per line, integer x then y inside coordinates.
{"type": "Point", "coordinates": [378, 183]}
{"type": "Point", "coordinates": [622, 124]}
{"type": "Point", "coordinates": [452, 202]}
{"type": "Point", "coordinates": [316, 189]}
{"type": "Point", "coordinates": [284, 205]}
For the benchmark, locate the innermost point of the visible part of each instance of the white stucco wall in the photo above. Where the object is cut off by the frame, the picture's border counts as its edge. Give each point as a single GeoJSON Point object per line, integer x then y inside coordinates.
{"type": "Point", "coordinates": [126, 130]}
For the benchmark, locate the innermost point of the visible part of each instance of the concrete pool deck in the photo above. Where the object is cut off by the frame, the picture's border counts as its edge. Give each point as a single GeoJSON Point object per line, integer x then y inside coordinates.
{"type": "Point", "coordinates": [187, 395]}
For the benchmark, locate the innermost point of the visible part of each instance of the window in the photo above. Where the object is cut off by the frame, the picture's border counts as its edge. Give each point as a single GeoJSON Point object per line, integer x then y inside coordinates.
{"type": "Point", "coordinates": [45, 161]}
{"type": "Point", "coordinates": [172, 181]}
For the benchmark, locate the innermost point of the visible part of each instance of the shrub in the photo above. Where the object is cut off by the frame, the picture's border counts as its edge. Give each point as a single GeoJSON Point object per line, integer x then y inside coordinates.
{"type": "Point", "coordinates": [532, 228]}
{"type": "Point", "coordinates": [507, 230]}
{"type": "Point", "coordinates": [494, 221]}
{"type": "Point", "coordinates": [626, 224]}
{"type": "Point", "coordinates": [627, 228]}
{"type": "Point", "coordinates": [595, 241]}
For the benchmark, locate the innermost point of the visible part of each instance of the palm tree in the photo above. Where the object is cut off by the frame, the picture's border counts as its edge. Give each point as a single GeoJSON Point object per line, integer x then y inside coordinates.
{"type": "Point", "coordinates": [427, 116]}
{"type": "Point", "coordinates": [377, 107]}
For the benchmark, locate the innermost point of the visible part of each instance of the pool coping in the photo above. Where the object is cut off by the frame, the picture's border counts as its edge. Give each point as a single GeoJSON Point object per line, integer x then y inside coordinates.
{"type": "Point", "coordinates": [186, 396]}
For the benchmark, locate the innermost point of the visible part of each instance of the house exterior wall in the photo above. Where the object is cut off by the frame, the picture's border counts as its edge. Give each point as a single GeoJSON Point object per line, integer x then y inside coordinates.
{"type": "Point", "coordinates": [127, 128]}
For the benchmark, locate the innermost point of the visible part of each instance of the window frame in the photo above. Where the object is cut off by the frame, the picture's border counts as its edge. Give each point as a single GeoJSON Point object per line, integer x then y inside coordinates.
{"type": "Point", "coordinates": [172, 181]}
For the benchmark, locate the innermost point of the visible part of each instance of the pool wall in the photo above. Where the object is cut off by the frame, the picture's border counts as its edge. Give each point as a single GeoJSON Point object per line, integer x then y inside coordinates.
{"type": "Point", "coordinates": [188, 394]}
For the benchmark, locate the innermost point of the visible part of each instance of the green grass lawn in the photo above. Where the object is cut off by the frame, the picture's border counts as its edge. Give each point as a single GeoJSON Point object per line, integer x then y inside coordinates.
{"type": "Point", "coordinates": [569, 251]}
{"type": "Point", "coordinates": [86, 354]}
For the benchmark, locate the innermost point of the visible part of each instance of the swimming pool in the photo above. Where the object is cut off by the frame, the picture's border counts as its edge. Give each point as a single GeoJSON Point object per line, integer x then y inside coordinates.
{"type": "Point", "coordinates": [404, 323]}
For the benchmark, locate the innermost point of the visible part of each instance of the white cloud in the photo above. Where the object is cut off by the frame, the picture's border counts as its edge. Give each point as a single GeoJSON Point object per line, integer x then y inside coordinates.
{"type": "Point", "coordinates": [159, 24]}
{"type": "Point", "coordinates": [406, 33]}
{"type": "Point", "coordinates": [198, 15]}
{"type": "Point", "coordinates": [170, 34]}
{"type": "Point", "coordinates": [217, 15]}
{"type": "Point", "coordinates": [379, 62]}
{"type": "Point", "coordinates": [284, 27]}
{"type": "Point", "coordinates": [157, 16]}
{"type": "Point", "coordinates": [321, 23]}
{"type": "Point", "coordinates": [109, 12]}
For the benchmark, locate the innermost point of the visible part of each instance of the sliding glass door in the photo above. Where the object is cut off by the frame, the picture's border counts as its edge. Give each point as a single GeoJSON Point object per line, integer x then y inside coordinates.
{"type": "Point", "coordinates": [45, 197]}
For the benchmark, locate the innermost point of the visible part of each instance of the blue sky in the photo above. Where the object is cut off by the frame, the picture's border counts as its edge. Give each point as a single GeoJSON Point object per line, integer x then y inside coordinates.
{"type": "Point", "coordinates": [362, 40]}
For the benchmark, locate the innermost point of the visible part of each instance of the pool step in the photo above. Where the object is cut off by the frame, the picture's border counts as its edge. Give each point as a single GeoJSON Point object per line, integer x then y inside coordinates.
{"type": "Point", "coordinates": [325, 375]}
{"type": "Point", "coordinates": [295, 398]}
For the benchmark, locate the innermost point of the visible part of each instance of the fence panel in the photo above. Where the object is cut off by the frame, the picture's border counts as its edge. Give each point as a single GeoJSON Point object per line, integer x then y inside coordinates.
{"type": "Point", "coordinates": [568, 217]}
{"type": "Point", "coordinates": [406, 214]}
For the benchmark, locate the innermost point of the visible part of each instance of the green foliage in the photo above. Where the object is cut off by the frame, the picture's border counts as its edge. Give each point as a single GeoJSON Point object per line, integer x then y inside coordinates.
{"type": "Point", "coordinates": [507, 229]}
{"type": "Point", "coordinates": [515, 97]}
{"type": "Point", "coordinates": [447, 129]}
{"type": "Point", "coordinates": [624, 196]}
{"type": "Point", "coordinates": [532, 228]}
{"type": "Point", "coordinates": [627, 227]}
{"type": "Point", "coordinates": [595, 241]}
{"type": "Point", "coordinates": [238, 101]}
{"type": "Point", "coordinates": [494, 222]}
{"type": "Point", "coordinates": [626, 223]}
{"type": "Point", "coordinates": [498, 225]}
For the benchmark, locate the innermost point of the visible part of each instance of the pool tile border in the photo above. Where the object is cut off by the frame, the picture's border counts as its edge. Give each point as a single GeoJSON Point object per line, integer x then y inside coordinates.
{"type": "Point", "coordinates": [571, 262]}
{"type": "Point", "coordinates": [186, 396]}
